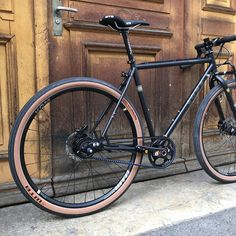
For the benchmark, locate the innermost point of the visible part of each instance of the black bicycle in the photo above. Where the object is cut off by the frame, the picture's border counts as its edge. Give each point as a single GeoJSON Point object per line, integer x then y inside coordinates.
{"type": "Point", "coordinates": [77, 145]}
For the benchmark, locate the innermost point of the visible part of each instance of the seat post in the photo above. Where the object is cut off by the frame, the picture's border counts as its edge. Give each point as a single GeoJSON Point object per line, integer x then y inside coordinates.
{"type": "Point", "coordinates": [125, 35]}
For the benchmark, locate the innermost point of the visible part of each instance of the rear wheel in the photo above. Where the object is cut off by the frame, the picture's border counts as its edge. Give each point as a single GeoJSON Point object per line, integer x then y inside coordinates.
{"type": "Point", "coordinates": [215, 139]}
{"type": "Point", "coordinates": [57, 156]}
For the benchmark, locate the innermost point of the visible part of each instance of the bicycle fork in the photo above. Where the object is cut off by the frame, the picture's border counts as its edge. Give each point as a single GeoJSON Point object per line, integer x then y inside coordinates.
{"type": "Point", "coordinates": [230, 100]}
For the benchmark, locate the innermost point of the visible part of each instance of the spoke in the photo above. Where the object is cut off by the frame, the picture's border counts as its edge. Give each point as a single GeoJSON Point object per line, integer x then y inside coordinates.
{"type": "Point", "coordinates": [219, 146]}
{"type": "Point", "coordinates": [99, 174]}
{"type": "Point", "coordinates": [92, 179]}
{"type": "Point", "coordinates": [72, 170]}
{"type": "Point", "coordinates": [85, 194]}
{"type": "Point", "coordinates": [39, 162]}
{"type": "Point", "coordinates": [81, 180]}
{"type": "Point", "coordinates": [64, 177]}
{"type": "Point", "coordinates": [108, 164]}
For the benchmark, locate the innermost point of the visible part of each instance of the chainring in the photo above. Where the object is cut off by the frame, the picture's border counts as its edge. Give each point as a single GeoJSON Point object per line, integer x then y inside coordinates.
{"type": "Point", "coordinates": [164, 158]}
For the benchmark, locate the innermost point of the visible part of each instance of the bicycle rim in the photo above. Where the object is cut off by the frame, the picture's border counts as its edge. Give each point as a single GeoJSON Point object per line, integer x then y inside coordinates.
{"type": "Point", "coordinates": [45, 166]}
{"type": "Point", "coordinates": [216, 147]}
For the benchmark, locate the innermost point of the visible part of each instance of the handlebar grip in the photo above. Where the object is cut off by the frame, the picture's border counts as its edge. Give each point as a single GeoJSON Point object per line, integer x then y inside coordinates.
{"type": "Point", "coordinates": [225, 40]}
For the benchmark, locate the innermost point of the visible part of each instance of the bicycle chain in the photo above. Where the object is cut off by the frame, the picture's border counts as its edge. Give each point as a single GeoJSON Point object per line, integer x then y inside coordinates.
{"type": "Point", "coordinates": [122, 162]}
{"type": "Point", "coordinates": [154, 166]}
{"type": "Point", "coordinates": [125, 162]}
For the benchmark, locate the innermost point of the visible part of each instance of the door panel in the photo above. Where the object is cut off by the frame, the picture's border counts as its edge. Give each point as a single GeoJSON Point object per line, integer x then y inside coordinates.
{"type": "Point", "coordinates": [155, 12]}
{"type": "Point", "coordinates": [89, 49]}
{"type": "Point", "coordinates": [23, 46]}
{"type": "Point", "coordinates": [8, 85]}
{"type": "Point", "coordinates": [215, 18]}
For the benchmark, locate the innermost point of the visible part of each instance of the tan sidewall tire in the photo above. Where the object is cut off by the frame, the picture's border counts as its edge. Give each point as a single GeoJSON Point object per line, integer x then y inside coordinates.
{"type": "Point", "coordinates": [36, 198]}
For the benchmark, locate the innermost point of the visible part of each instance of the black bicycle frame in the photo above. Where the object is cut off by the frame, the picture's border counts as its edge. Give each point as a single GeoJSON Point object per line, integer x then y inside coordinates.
{"type": "Point", "coordinates": [210, 72]}
{"type": "Point", "coordinates": [189, 101]}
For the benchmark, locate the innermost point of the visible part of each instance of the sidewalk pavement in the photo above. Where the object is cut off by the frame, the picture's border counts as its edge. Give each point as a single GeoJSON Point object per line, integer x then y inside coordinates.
{"type": "Point", "coordinates": [167, 206]}
{"type": "Point", "coordinates": [217, 224]}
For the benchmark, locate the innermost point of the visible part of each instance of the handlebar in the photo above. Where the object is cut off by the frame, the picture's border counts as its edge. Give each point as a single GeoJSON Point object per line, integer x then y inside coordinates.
{"type": "Point", "coordinates": [206, 47]}
{"type": "Point", "coordinates": [224, 40]}
{"type": "Point", "coordinates": [208, 44]}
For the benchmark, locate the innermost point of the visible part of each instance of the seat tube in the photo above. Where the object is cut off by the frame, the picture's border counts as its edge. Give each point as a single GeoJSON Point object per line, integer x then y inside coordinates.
{"type": "Point", "coordinates": [128, 48]}
{"type": "Point", "coordinates": [132, 63]}
{"type": "Point", "coordinates": [146, 110]}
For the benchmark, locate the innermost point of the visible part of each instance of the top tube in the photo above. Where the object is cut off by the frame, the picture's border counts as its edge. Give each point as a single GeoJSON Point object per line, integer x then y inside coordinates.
{"type": "Point", "coordinates": [171, 63]}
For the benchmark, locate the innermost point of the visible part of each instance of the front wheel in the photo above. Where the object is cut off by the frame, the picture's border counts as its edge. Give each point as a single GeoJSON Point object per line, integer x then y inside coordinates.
{"type": "Point", "coordinates": [214, 138]}
{"type": "Point", "coordinates": [57, 153]}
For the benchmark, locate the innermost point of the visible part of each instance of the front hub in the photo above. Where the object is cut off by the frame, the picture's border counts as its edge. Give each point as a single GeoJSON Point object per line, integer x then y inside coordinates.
{"type": "Point", "coordinates": [227, 127]}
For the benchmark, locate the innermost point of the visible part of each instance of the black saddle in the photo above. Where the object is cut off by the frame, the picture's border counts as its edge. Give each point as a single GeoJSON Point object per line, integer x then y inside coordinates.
{"type": "Point", "coordinates": [117, 23]}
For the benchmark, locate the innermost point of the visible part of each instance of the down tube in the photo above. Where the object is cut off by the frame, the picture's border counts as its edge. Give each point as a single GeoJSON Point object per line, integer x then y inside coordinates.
{"type": "Point", "coordinates": [188, 102]}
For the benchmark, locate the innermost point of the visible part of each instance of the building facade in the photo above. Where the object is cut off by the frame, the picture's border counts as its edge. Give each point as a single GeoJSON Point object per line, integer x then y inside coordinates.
{"type": "Point", "coordinates": [32, 55]}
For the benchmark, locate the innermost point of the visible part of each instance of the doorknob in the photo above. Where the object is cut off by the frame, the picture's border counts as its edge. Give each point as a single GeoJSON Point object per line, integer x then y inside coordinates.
{"type": "Point", "coordinates": [69, 9]}
{"type": "Point", "coordinates": [57, 16]}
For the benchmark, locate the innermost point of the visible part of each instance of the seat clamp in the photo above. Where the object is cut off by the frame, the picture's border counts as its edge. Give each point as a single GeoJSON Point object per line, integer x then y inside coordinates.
{"type": "Point", "coordinates": [131, 61]}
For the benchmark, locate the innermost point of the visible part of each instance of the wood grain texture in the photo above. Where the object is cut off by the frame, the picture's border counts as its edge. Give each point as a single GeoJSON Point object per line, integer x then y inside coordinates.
{"type": "Point", "coordinates": [7, 90]}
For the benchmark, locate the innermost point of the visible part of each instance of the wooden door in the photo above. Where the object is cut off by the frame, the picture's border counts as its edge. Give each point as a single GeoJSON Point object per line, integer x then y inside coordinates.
{"type": "Point", "coordinates": [89, 49]}
{"type": "Point", "coordinates": [203, 19]}
{"type": "Point", "coordinates": [30, 54]}
{"type": "Point", "coordinates": [15, 50]}
{"type": "Point", "coordinates": [23, 70]}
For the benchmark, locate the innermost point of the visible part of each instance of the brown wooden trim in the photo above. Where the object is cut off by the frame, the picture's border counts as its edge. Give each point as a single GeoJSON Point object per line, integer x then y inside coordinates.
{"type": "Point", "coordinates": [41, 43]}
{"type": "Point", "coordinates": [90, 47]}
{"type": "Point", "coordinates": [10, 195]}
{"type": "Point", "coordinates": [5, 38]}
{"type": "Point", "coordinates": [219, 9]}
{"type": "Point", "coordinates": [115, 46]}
{"type": "Point", "coordinates": [162, 6]}
{"type": "Point", "coordinates": [216, 27]}
{"type": "Point", "coordinates": [11, 99]}
{"type": "Point", "coordinates": [156, 1]}
{"type": "Point", "coordinates": [3, 156]}
{"type": "Point", "coordinates": [7, 11]}
{"type": "Point", "coordinates": [76, 25]}
{"type": "Point", "coordinates": [7, 7]}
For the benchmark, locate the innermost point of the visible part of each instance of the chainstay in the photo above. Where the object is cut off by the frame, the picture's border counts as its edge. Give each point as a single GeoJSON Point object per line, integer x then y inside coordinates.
{"type": "Point", "coordinates": [127, 162]}
{"type": "Point", "coordinates": [122, 162]}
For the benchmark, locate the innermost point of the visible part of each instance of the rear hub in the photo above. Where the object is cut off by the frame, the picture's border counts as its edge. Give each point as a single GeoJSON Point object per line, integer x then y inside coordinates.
{"type": "Point", "coordinates": [80, 146]}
